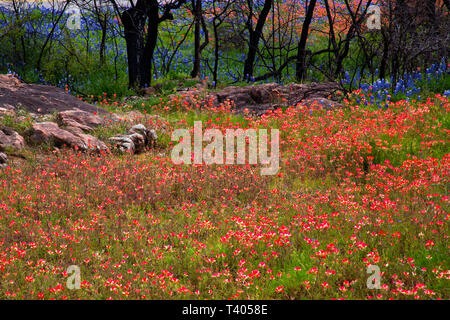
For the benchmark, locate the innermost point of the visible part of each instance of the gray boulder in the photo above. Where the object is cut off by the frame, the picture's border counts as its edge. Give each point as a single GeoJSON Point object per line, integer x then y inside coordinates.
{"type": "Point", "coordinates": [123, 143]}
{"type": "Point", "coordinates": [10, 138]}
{"type": "Point", "coordinates": [137, 139]}
{"type": "Point", "coordinates": [86, 121]}
{"type": "Point", "coordinates": [149, 135]}
{"type": "Point", "coordinates": [49, 132]}
{"type": "Point", "coordinates": [139, 142]}
{"type": "Point", "coordinates": [3, 160]}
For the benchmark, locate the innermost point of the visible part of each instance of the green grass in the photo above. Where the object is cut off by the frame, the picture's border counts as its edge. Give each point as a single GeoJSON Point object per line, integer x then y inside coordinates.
{"type": "Point", "coordinates": [12, 121]}
{"type": "Point", "coordinates": [107, 131]}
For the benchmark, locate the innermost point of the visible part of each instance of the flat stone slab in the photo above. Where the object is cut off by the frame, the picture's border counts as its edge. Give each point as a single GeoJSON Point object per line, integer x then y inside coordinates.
{"type": "Point", "coordinates": [49, 132]}
{"type": "Point", "coordinates": [83, 120]}
{"type": "Point", "coordinates": [10, 138]}
{"type": "Point", "coordinates": [39, 99]}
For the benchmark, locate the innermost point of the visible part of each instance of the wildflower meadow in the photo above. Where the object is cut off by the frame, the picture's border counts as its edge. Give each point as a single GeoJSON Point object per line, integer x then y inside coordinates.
{"type": "Point", "coordinates": [356, 208]}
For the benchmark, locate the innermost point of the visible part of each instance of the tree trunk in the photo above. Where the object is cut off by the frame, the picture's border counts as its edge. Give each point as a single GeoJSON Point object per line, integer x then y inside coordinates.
{"type": "Point", "coordinates": [103, 41]}
{"type": "Point", "coordinates": [145, 68]}
{"type": "Point", "coordinates": [216, 52]}
{"type": "Point", "coordinates": [140, 52]}
{"type": "Point", "coordinates": [255, 36]}
{"type": "Point", "coordinates": [133, 21]}
{"type": "Point", "coordinates": [102, 21]}
{"type": "Point", "coordinates": [301, 54]}
{"type": "Point", "coordinates": [384, 59]}
{"type": "Point", "coordinates": [344, 53]}
{"type": "Point", "coordinates": [197, 11]}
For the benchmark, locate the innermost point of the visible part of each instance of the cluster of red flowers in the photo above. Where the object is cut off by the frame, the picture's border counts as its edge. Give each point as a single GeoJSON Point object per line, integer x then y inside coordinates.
{"type": "Point", "coordinates": [357, 187]}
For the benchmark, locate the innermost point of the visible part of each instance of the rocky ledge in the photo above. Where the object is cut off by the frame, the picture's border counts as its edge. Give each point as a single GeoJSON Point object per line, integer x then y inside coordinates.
{"type": "Point", "coordinates": [61, 120]}
{"type": "Point", "coordinates": [260, 98]}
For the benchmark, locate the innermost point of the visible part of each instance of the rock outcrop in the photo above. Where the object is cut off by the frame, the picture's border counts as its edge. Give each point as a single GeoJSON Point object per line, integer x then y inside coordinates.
{"type": "Point", "coordinates": [49, 132]}
{"type": "Point", "coordinates": [77, 118]}
{"type": "Point", "coordinates": [138, 139]}
{"type": "Point", "coordinates": [262, 97]}
{"type": "Point", "coordinates": [149, 135]}
{"type": "Point", "coordinates": [123, 143]}
{"type": "Point", "coordinates": [3, 160]}
{"type": "Point", "coordinates": [39, 99]}
{"type": "Point", "coordinates": [10, 138]}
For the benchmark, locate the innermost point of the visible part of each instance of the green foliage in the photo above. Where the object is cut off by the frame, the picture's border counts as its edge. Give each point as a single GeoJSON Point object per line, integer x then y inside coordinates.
{"type": "Point", "coordinates": [110, 130]}
{"type": "Point", "coordinates": [20, 125]}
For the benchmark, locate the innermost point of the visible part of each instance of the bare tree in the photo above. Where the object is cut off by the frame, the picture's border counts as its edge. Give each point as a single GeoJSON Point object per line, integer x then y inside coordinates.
{"type": "Point", "coordinates": [199, 24]}
{"type": "Point", "coordinates": [301, 55]}
{"type": "Point", "coordinates": [51, 33]}
{"type": "Point", "coordinates": [254, 34]}
{"type": "Point", "coordinates": [278, 40]}
{"type": "Point", "coordinates": [141, 24]}
{"type": "Point", "coordinates": [220, 11]}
